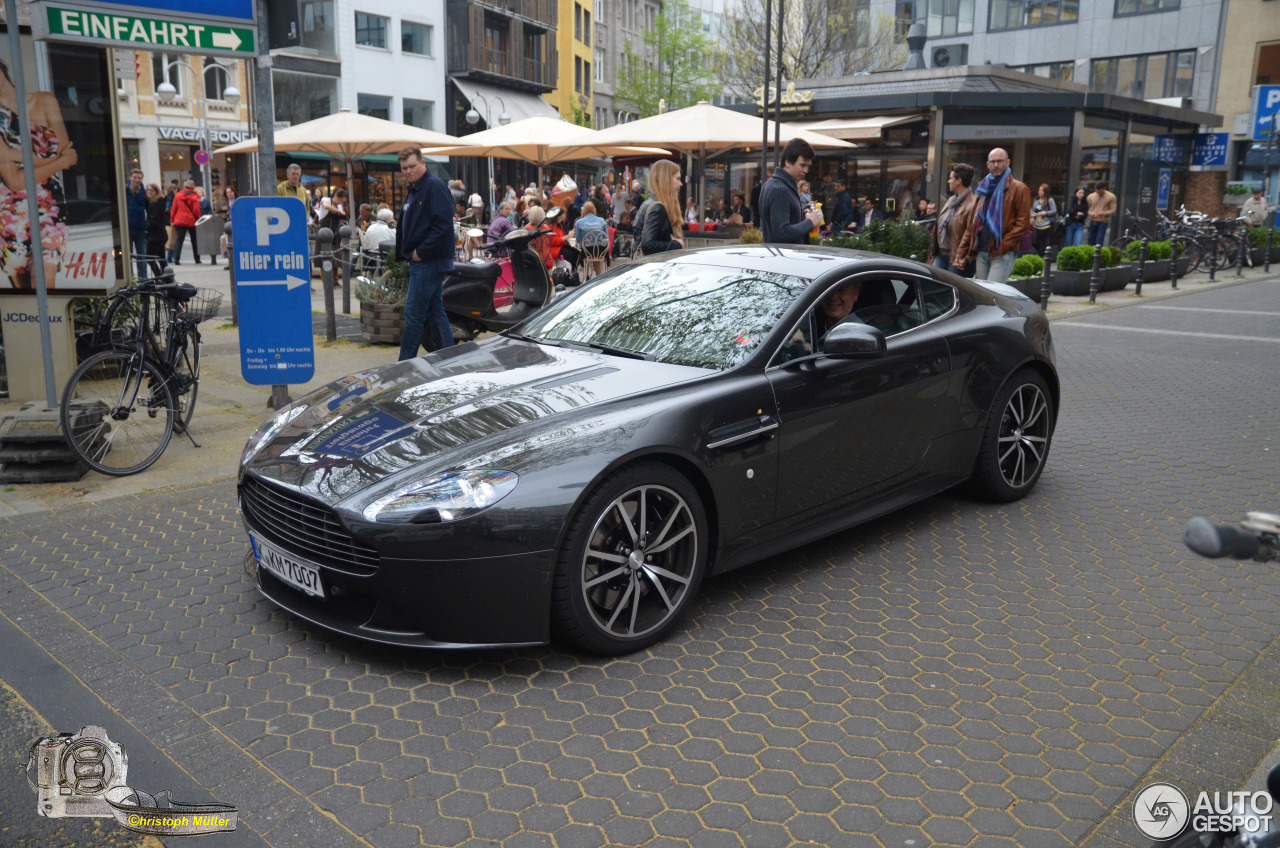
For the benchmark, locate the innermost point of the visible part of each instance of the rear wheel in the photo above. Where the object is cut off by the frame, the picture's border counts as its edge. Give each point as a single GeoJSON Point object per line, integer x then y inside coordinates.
{"type": "Point", "coordinates": [117, 413]}
{"type": "Point", "coordinates": [186, 372]}
{"type": "Point", "coordinates": [633, 559]}
{"type": "Point", "coordinates": [1015, 443]}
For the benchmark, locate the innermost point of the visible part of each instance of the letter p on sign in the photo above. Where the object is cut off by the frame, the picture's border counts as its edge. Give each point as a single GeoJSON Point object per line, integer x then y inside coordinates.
{"type": "Point", "coordinates": [271, 221]}
{"type": "Point", "coordinates": [1273, 98]}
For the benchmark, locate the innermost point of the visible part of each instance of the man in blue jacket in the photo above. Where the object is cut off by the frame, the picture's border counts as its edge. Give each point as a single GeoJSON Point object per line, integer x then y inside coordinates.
{"type": "Point", "coordinates": [782, 217]}
{"type": "Point", "coordinates": [842, 214]}
{"type": "Point", "coordinates": [135, 202]}
{"type": "Point", "coordinates": [425, 240]}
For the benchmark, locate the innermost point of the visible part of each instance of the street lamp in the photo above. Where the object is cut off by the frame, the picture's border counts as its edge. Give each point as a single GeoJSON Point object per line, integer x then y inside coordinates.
{"type": "Point", "coordinates": [167, 93]}
{"type": "Point", "coordinates": [473, 118]}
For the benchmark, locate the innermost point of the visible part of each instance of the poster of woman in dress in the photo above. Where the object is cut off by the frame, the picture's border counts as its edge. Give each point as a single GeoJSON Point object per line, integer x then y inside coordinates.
{"type": "Point", "coordinates": [70, 132]}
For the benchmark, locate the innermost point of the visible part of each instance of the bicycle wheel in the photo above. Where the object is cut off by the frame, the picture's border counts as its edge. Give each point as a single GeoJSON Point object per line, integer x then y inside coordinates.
{"type": "Point", "coordinates": [1218, 252]}
{"type": "Point", "coordinates": [1194, 254]}
{"type": "Point", "coordinates": [186, 373]}
{"type": "Point", "coordinates": [120, 326]}
{"type": "Point", "coordinates": [117, 412]}
{"type": "Point", "coordinates": [1122, 242]}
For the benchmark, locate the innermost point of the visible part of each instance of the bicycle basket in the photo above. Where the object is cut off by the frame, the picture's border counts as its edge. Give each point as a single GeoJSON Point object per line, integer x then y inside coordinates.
{"type": "Point", "coordinates": [204, 305]}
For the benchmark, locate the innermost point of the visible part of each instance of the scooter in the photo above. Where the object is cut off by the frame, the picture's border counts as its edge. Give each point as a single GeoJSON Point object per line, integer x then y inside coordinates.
{"type": "Point", "coordinates": [469, 288]}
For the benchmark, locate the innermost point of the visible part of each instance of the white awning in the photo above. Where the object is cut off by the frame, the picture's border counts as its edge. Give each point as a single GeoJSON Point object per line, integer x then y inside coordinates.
{"type": "Point", "coordinates": [519, 104]}
{"type": "Point", "coordinates": [855, 129]}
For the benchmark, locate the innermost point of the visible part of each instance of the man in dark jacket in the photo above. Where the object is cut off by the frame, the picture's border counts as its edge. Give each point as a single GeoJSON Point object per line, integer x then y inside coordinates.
{"type": "Point", "coordinates": [425, 240]}
{"type": "Point", "coordinates": [782, 217]}
{"type": "Point", "coordinates": [842, 209]}
{"type": "Point", "coordinates": [135, 201]}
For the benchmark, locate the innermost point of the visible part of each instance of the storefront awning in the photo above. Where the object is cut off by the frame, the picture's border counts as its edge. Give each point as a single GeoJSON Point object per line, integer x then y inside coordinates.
{"type": "Point", "coordinates": [855, 129]}
{"type": "Point", "coordinates": [519, 104]}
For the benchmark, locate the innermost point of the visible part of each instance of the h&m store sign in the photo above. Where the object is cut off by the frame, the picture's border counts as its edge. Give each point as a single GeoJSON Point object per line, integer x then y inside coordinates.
{"type": "Point", "coordinates": [196, 137]}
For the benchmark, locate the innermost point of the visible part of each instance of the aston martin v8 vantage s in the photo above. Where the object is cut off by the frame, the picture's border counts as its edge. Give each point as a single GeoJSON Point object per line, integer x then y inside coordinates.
{"type": "Point", "coordinates": [578, 476]}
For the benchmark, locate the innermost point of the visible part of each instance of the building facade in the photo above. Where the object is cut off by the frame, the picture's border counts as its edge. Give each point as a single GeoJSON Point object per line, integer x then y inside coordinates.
{"type": "Point", "coordinates": [572, 96]}
{"type": "Point", "coordinates": [617, 24]}
{"type": "Point", "coordinates": [1253, 28]}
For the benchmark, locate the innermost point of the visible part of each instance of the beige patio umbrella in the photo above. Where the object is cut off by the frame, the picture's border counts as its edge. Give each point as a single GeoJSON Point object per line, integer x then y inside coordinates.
{"type": "Point", "coordinates": [704, 130]}
{"type": "Point", "coordinates": [540, 141]}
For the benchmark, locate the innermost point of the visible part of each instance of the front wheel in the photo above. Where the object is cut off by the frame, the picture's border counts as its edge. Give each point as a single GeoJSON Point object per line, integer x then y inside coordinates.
{"type": "Point", "coordinates": [633, 559]}
{"type": "Point", "coordinates": [186, 372]}
{"type": "Point", "coordinates": [117, 412]}
{"type": "Point", "coordinates": [1015, 443]}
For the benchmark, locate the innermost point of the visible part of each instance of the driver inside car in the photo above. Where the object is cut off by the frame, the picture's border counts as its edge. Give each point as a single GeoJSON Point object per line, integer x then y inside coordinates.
{"type": "Point", "coordinates": [834, 308]}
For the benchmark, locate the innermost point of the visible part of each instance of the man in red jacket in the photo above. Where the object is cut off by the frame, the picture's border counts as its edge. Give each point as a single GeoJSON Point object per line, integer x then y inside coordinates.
{"type": "Point", "coordinates": [183, 216]}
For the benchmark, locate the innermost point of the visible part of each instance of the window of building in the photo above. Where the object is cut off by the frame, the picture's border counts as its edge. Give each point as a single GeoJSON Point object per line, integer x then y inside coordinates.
{"type": "Point", "coordinates": [577, 74]}
{"type": "Point", "coordinates": [577, 21]}
{"type": "Point", "coordinates": [1014, 14]}
{"type": "Point", "coordinates": [586, 27]}
{"type": "Point", "coordinates": [371, 30]}
{"type": "Point", "coordinates": [862, 22]}
{"type": "Point", "coordinates": [599, 77]}
{"type": "Point", "coordinates": [415, 38]}
{"type": "Point", "coordinates": [495, 48]}
{"type": "Point", "coordinates": [217, 79]}
{"type": "Point", "coordinates": [1268, 70]}
{"type": "Point", "coordinates": [599, 6]}
{"type": "Point", "coordinates": [1148, 77]}
{"type": "Point", "coordinates": [318, 28]}
{"type": "Point", "coordinates": [164, 68]}
{"type": "Point", "coordinates": [904, 16]}
{"type": "Point", "coordinates": [586, 78]}
{"type": "Point", "coordinates": [1142, 7]}
{"type": "Point", "coordinates": [303, 97]}
{"type": "Point", "coordinates": [1053, 70]}
{"type": "Point", "coordinates": [946, 17]}
{"type": "Point", "coordinates": [374, 105]}
{"type": "Point", "coordinates": [420, 113]}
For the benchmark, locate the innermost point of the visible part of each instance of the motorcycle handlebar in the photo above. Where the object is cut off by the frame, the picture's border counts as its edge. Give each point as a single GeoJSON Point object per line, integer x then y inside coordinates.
{"type": "Point", "coordinates": [1220, 540]}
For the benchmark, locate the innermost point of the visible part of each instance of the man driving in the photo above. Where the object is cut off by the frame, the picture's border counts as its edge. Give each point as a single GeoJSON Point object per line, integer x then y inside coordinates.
{"type": "Point", "coordinates": [838, 305]}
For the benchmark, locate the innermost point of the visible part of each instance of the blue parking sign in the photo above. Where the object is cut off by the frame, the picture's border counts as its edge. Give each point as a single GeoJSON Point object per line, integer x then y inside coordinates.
{"type": "Point", "coordinates": [1266, 105]}
{"type": "Point", "coordinates": [1162, 188]}
{"type": "Point", "coordinates": [273, 287]}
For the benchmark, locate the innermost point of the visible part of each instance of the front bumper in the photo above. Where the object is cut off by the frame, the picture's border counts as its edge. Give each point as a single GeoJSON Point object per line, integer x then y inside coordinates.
{"type": "Point", "coordinates": [481, 602]}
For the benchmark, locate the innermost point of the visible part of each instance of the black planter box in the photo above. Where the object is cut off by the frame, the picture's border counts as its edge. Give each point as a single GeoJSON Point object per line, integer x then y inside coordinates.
{"type": "Point", "coordinates": [1155, 271]}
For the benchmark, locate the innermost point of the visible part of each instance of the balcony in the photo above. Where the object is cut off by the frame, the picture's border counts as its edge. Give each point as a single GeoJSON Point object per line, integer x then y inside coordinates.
{"type": "Point", "coordinates": [495, 61]}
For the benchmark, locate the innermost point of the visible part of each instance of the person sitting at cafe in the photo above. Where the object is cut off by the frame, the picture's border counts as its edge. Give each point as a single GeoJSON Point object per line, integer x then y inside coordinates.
{"type": "Point", "coordinates": [591, 229]}
{"type": "Point", "coordinates": [547, 246]}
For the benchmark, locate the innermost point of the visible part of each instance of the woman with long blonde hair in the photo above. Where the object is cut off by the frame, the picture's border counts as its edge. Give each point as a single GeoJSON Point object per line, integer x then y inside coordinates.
{"type": "Point", "coordinates": [663, 225]}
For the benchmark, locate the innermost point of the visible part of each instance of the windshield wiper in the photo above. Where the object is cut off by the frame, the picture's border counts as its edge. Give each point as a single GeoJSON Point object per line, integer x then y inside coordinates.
{"type": "Point", "coordinates": [523, 338]}
{"type": "Point", "coordinates": [612, 350]}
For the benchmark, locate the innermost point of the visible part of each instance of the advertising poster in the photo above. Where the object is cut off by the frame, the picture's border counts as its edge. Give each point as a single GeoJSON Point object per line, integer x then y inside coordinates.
{"type": "Point", "coordinates": [71, 133]}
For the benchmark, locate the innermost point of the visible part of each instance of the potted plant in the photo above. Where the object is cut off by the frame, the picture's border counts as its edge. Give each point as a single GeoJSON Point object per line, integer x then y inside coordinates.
{"type": "Point", "coordinates": [751, 235]}
{"type": "Point", "coordinates": [1258, 242]}
{"type": "Point", "coordinates": [1115, 276]}
{"type": "Point", "coordinates": [382, 304]}
{"type": "Point", "coordinates": [1158, 256]}
{"type": "Point", "coordinates": [1071, 276]}
{"type": "Point", "coordinates": [1028, 275]}
{"type": "Point", "coordinates": [1235, 195]}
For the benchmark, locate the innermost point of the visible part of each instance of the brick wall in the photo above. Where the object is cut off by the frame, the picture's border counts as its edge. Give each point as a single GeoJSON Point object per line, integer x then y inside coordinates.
{"type": "Point", "coordinates": [1204, 192]}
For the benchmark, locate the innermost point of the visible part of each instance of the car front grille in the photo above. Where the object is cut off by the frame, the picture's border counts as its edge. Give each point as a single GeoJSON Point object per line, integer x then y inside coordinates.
{"type": "Point", "coordinates": [305, 527]}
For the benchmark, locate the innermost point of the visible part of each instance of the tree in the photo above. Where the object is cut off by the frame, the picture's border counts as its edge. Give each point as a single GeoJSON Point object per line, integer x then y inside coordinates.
{"type": "Point", "coordinates": [822, 38]}
{"type": "Point", "coordinates": [579, 116]}
{"type": "Point", "coordinates": [673, 65]}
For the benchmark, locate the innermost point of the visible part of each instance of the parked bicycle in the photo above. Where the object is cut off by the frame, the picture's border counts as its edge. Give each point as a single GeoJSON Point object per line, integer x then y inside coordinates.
{"type": "Point", "coordinates": [122, 404]}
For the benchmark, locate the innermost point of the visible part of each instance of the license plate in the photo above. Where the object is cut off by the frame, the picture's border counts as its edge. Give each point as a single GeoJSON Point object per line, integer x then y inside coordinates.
{"type": "Point", "coordinates": [297, 573]}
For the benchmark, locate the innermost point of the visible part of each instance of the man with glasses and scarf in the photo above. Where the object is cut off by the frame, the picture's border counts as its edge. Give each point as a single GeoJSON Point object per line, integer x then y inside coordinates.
{"type": "Point", "coordinates": [1002, 216]}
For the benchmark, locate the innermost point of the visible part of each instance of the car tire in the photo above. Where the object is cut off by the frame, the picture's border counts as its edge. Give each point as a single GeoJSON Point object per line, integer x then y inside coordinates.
{"type": "Point", "coordinates": [633, 558]}
{"type": "Point", "coordinates": [1015, 443]}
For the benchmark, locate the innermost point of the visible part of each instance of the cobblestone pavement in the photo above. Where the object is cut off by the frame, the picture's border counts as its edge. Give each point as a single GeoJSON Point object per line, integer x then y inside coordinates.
{"type": "Point", "coordinates": [953, 674]}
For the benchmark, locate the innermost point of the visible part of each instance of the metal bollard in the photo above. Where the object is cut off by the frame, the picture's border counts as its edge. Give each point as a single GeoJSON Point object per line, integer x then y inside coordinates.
{"type": "Point", "coordinates": [1271, 231]}
{"type": "Point", "coordinates": [1049, 256]}
{"type": "Point", "coordinates": [1142, 268]}
{"type": "Point", "coordinates": [324, 252]}
{"type": "Point", "coordinates": [231, 261]}
{"type": "Point", "coordinates": [1173, 266]}
{"type": "Point", "coordinates": [1240, 255]}
{"type": "Point", "coordinates": [344, 238]}
{"type": "Point", "coordinates": [1095, 277]}
{"type": "Point", "coordinates": [1213, 271]}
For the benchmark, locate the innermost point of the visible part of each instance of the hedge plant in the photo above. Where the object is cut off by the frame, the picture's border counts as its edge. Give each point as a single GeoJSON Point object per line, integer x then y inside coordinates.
{"type": "Point", "coordinates": [1156, 250]}
{"type": "Point", "coordinates": [1258, 237]}
{"type": "Point", "coordinates": [887, 237]}
{"type": "Point", "coordinates": [1028, 265]}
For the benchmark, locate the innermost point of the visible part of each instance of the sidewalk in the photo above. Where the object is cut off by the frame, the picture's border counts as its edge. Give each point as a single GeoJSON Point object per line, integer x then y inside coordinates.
{"type": "Point", "coordinates": [229, 410]}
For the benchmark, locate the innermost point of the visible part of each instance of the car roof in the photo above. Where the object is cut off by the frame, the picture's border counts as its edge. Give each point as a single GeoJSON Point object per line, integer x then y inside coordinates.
{"type": "Point", "coordinates": [804, 262]}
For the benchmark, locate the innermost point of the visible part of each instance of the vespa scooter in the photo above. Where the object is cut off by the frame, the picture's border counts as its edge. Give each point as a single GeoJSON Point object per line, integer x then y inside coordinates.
{"type": "Point", "coordinates": [469, 288]}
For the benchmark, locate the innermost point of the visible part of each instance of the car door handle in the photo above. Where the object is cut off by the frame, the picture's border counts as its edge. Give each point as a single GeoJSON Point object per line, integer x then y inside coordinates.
{"type": "Point", "coordinates": [741, 431]}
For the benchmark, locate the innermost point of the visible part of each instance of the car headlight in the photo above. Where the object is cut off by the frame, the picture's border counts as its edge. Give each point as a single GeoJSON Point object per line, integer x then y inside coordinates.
{"type": "Point", "coordinates": [453, 496]}
{"type": "Point", "coordinates": [268, 430]}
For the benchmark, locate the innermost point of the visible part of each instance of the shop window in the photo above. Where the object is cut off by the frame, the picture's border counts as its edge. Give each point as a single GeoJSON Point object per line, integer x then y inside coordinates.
{"type": "Point", "coordinates": [374, 105]}
{"type": "Point", "coordinates": [420, 113]}
{"type": "Point", "coordinates": [1143, 7]}
{"type": "Point", "coordinates": [371, 30]}
{"type": "Point", "coordinates": [415, 38]}
{"type": "Point", "coordinates": [1015, 14]}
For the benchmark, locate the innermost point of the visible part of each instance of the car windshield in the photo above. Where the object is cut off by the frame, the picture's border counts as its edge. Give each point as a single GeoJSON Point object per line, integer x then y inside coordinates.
{"type": "Point", "coordinates": [681, 313]}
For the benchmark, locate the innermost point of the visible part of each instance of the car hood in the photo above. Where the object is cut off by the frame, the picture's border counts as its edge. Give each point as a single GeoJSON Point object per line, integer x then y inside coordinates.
{"type": "Point", "coordinates": [436, 411]}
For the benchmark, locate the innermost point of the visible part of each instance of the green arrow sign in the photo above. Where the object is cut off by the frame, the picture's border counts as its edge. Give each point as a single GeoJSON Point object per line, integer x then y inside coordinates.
{"type": "Point", "coordinates": [105, 29]}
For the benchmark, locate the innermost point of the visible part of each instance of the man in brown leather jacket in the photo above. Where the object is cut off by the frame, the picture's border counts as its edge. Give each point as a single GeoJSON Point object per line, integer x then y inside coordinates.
{"type": "Point", "coordinates": [998, 229]}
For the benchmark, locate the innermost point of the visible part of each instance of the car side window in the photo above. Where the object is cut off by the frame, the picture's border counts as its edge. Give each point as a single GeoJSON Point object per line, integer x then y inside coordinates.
{"type": "Point", "coordinates": [938, 298]}
{"type": "Point", "coordinates": [890, 304]}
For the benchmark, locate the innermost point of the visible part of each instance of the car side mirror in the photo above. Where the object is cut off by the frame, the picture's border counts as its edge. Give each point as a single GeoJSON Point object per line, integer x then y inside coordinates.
{"type": "Point", "coordinates": [853, 340]}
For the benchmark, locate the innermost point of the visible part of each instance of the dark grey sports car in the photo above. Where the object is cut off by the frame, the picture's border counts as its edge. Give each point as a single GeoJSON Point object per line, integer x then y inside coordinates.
{"type": "Point", "coordinates": [680, 416]}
